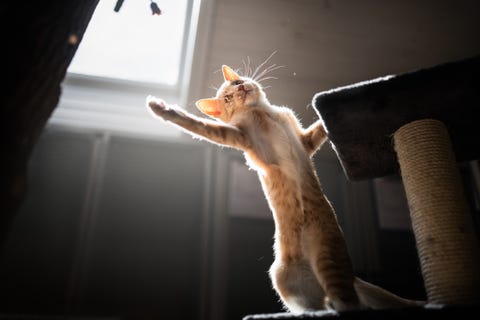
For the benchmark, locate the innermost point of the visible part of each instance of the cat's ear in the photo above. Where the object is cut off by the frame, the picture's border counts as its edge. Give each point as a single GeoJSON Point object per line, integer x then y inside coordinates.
{"type": "Point", "coordinates": [229, 74]}
{"type": "Point", "coordinates": [210, 107]}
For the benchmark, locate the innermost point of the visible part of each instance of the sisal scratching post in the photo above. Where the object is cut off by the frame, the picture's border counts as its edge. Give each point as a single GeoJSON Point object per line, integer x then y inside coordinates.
{"type": "Point", "coordinates": [443, 227]}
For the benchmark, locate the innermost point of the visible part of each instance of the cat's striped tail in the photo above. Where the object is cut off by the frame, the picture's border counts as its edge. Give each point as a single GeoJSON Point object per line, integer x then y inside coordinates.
{"type": "Point", "coordinates": [374, 297]}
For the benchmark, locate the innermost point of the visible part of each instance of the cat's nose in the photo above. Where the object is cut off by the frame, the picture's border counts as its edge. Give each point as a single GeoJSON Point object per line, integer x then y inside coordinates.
{"type": "Point", "coordinates": [241, 88]}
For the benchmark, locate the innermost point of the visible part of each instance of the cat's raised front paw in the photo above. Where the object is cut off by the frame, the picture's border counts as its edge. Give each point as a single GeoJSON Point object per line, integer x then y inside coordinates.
{"type": "Point", "coordinates": [156, 106]}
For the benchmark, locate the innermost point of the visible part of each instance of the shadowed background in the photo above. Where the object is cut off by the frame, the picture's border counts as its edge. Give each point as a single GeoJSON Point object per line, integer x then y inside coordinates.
{"type": "Point", "coordinates": [130, 225]}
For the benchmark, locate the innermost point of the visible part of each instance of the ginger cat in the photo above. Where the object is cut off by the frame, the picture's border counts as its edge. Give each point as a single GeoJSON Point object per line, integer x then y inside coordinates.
{"type": "Point", "coordinates": [312, 268]}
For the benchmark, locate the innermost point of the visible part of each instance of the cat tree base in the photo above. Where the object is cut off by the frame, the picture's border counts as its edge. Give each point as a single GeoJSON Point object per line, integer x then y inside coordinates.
{"type": "Point", "coordinates": [417, 313]}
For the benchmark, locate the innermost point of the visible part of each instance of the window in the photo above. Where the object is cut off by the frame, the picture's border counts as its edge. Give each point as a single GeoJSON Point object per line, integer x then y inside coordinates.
{"type": "Point", "coordinates": [125, 56]}
{"type": "Point", "coordinates": [133, 44]}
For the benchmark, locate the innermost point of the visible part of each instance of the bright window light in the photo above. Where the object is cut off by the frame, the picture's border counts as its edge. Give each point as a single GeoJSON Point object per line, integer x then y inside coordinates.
{"type": "Point", "coordinates": [125, 56]}
{"type": "Point", "coordinates": [133, 44]}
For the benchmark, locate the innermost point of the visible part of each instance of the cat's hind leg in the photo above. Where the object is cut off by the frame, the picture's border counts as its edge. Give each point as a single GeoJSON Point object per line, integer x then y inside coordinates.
{"type": "Point", "coordinates": [297, 285]}
{"type": "Point", "coordinates": [332, 268]}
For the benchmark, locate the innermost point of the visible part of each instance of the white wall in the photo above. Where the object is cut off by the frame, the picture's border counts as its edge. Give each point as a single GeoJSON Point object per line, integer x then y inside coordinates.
{"type": "Point", "coordinates": [325, 44]}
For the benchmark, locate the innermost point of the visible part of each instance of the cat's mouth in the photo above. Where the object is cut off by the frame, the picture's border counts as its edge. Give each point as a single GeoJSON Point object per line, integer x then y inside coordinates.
{"type": "Point", "coordinates": [244, 90]}
{"type": "Point", "coordinates": [243, 95]}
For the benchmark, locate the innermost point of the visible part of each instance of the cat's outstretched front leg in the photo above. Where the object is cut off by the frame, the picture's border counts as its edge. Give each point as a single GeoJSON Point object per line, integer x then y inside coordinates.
{"type": "Point", "coordinates": [198, 127]}
{"type": "Point", "coordinates": [314, 136]}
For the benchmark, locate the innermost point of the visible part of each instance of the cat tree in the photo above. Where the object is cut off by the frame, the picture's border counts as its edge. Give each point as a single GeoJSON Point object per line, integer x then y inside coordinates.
{"type": "Point", "coordinates": [419, 124]}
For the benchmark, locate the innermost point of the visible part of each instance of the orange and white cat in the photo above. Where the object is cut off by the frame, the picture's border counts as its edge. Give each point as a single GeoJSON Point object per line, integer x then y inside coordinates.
{"type": "Point", "coordinates": [312, 269]}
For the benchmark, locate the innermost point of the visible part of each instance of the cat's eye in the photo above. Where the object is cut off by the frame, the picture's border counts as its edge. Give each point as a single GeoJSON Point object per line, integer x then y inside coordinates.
{"type": "Point", "coordinates": [237, 82]}
{"type": "Point", "coordinates": [228, 98]}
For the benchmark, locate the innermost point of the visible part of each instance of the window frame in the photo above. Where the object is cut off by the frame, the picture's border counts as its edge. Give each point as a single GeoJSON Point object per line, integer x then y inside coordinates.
{"type": "Point", "coordinates": [111, 104]}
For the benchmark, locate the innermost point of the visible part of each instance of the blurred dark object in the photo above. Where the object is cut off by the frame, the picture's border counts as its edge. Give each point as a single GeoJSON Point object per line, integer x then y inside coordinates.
{"type": "Point", "coordinates": [155, 9]}
{"type": "Point", "coordinates": [40, 39]}
{"type": "Point", "coordinates": [118, 5]}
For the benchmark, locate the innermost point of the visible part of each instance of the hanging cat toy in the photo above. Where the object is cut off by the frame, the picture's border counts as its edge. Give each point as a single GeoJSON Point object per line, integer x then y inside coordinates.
{"type": "Point", "coordinates": [153, 6]}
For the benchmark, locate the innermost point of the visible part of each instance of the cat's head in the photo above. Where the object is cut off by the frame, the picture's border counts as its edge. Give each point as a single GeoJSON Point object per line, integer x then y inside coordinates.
{"type": "Point", "coordinates": [235, 96]}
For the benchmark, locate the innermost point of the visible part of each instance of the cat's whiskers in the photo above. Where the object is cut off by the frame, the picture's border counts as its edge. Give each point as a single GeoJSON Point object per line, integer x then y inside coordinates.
{"type": "Point", "coordinates": [250, 70]}
{"type": "Point", "coordinates": [267, 70]}
{"type": "Point", "coordinates": [257, 69]}
{"type": "Point", "coordinates": [266, 78]}
{"type": "Point", "coordinates": [247, 69]}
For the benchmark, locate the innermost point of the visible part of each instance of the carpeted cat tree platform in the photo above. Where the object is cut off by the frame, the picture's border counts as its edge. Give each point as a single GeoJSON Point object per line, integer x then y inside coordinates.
{"type": "Point", "coordinates": [420, 124]}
